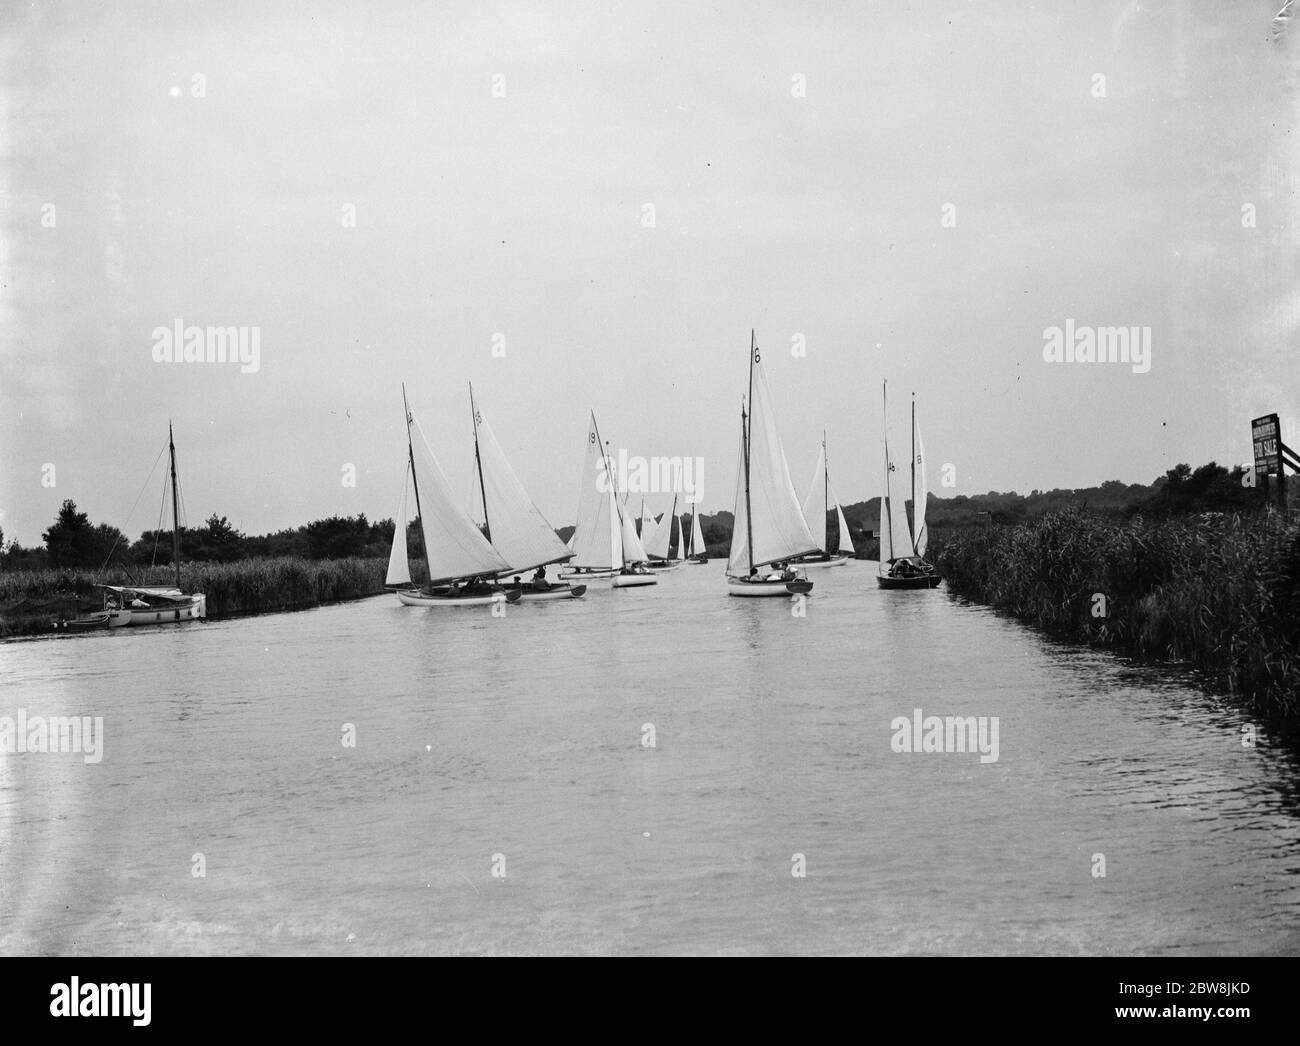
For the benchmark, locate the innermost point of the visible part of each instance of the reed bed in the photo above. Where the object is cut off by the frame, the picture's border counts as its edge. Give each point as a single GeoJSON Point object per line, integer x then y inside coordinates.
{"type": "Point", "coordinates": [31, 600]}
{"type": "Point", "coordinates": [1218, 592]}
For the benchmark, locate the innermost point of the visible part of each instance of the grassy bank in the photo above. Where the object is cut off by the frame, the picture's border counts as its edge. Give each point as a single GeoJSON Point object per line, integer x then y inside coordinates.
{"type": "Point", "coordinates": [31, 600]}
{"type": "Point", "coordinates": [1219, 592]}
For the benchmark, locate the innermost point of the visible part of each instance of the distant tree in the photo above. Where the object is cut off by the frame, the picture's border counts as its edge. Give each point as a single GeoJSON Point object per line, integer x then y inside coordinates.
{"type": "Point", "coordinates": [72, 542]}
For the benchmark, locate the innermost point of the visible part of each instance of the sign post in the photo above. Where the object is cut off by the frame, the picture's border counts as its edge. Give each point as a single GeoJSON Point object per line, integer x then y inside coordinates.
{"type": "Point", "coordinates": [1272, 456]}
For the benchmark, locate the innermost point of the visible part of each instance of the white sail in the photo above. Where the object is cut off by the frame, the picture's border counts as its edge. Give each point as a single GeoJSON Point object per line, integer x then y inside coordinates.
{"type": "Point", "coordinates": [399, 567]}
{"type": "Point", "coordinates": [516, 528]}
{"type": "Point", "coordinates": [738, 556]}
{"type": "Point", "coordinates": [633, 550]}
{"type": "Point", "coordinates": [780, 530]}
{"type": "Point", "coordinates": [597, 540]}
{"type": "Point", "coordinates": [660, 534]}
{"type": "Point", "coordinates": [679, 536]}
{"type": "Point", "coordinates": [920, 535]}
{"type": "Point", "coordinates": [697, 531]}
{"type": "Point", "coordinates": [814, 505]}
{"type": "Point", "coordinates": [455, 546]}
{"type": "Point", "coordinates": [846, 542]}
{"type": "Point", "coordinates": [895, 536]}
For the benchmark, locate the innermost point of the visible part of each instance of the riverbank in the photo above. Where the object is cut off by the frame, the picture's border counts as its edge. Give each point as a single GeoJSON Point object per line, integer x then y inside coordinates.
{"type": "Point", "coordinates": [31, 601]}
{"type": "Point", "coordinates": [1219, 592]}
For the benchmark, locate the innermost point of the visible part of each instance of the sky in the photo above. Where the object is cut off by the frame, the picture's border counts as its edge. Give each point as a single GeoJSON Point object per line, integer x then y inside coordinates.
{"type": "Point", "coordinates": [611, 196]}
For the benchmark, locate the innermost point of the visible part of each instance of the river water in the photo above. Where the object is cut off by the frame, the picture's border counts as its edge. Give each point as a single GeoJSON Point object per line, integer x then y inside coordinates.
{"type": "Point", "coordinates": [503, 796]}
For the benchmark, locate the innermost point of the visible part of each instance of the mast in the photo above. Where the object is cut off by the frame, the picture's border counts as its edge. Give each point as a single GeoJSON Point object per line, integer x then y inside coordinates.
{"type": "Point", "coordinates": [410, 449]}
{"type": "Point", "coordinates": [176, 534]}
{"type": "Point", "coordinates": [888, 501]}
{"type": "Point", "coordinates": [826, 488]}
{"type": "Point", "coordinates": [681, 538]}
{"type": "Point", "coordinates": [913, 533]}
{"type": "Point", "coordinates": [744, 428]}
{"type": "Point", "coordinates": [613, 494]}
{"type": "Point", "coordinates": [478, 461]}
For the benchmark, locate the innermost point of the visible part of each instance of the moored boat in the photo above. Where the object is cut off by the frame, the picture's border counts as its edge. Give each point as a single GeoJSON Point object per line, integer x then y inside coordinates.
{"type": "Point", "coordinates": [776, 532]}
{"type": "Point", "coordinates": [147, 605]}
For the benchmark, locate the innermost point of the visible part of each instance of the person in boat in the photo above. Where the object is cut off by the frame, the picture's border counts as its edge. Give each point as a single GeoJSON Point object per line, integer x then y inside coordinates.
{"type": "Point", "coordinates": [539, 580]}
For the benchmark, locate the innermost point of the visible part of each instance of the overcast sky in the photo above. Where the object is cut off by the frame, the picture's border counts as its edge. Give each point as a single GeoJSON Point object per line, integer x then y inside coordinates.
{"type": "Point", "coordinates": [221, 201]}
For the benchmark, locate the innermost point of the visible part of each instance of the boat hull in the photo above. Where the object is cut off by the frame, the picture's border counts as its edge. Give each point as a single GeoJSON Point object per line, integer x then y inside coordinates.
{"type": "Point", "coordinates": [85, 624]}
{"type": "Point", "coordinates": [193, 609]}
{"type": "Point", "coordinates": [767, 589]}
{"type": "Point", "coordinates": [633, 580]}
{"type": "Point", "coordinates": [413, 598]}
{"type": "Point", "coordinates": [664, 564]}
{"type": "Point", "coordinates": [837, 560]}
{"type": "Point", "coordinates": [558, 591]}
{"type": "Point", "coordinates": [583, 575]}
{"type": "Point", "coordinates": [921, 581]}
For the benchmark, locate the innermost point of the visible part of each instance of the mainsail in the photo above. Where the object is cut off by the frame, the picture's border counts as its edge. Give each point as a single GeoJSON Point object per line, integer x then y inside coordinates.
{"type": "Point", "coordinates": [597, 540]}
{"type": "Point", "coordinates": [738, 556]}
{"type": "Point", "coordinates": [846, 542]}
{"type": "Point", "coordinates": [655, 537]}
{"type": "Point", "coordinates": [697, 531]}
{"type": "Point", "coordinates": [895, 537]}
{"type": "Point", "coordinates": [777, 522]}
{"type": "Point", "coordinates": [920, 535]}
{"type": "Point", "coordinates": [453, 544]}
{"type": "Point", "coordinates": [633, 550]}
{"type": "Point", "coordinates": [516, 527]}
{"type": "Point", "coordinates": [399, 566]}
{"type": "Point", "coordinates": [678, 535]}
{"type": "Point", "coordinates": [815, 504]}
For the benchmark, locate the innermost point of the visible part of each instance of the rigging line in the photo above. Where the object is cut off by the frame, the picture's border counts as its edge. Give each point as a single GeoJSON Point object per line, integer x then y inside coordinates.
{"type": "Point", "coordinates": [157, 531]}
{"type": "Point", "coordinates": [133, 506]}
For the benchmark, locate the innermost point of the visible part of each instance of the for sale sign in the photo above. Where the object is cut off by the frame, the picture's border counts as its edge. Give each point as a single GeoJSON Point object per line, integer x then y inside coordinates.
{"type": "Point", "coordinates": [1264, 433]}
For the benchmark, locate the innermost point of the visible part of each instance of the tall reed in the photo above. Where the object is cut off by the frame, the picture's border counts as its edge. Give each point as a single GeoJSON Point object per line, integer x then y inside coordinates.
{"type": "Point", "coordinates": [1219, 592]}
{"type": "Point", "coordinates": [31, 600]}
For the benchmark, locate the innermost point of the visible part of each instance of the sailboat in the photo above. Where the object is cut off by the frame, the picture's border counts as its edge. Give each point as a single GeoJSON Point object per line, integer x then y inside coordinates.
{"type": "Point", "coordinates": [695, 551]}
{"type": "Point", "coordinates": [460, 562]}
{"type": "Point", "coordinates": [769, 525]}
{"type": "Point", "coordinates": [816, 507]}
{"type": "Point", "coordinates": [513, 524]}
{"type": "Point", "coordinates": [657, 537]}
{"type": "Point", "coordinates": [901, 549]}
{"type": "Point", "coordinates": [154, 606]}
{"type": "Point", "coordinates": [604, 541]}
{"type": "Point", "coordinates": [635, 571]}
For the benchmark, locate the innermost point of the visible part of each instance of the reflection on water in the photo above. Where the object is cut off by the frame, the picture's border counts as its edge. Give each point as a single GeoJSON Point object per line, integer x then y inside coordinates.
{"type": "Point", "coordinates": [516, 743]}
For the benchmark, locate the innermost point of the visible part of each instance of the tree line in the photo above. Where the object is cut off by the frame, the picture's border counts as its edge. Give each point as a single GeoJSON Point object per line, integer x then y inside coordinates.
{"type": "Point", "coordinates": [72, 541]}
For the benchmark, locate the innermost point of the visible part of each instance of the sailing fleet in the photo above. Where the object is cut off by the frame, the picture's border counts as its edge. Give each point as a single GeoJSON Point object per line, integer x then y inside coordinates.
{"type": "Point", "coordinates": [775, 538]}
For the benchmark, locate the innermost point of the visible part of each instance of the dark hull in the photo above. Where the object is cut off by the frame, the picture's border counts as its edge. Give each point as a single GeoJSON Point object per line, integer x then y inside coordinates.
{"type": "Point", "coordinates": [920, 581]}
